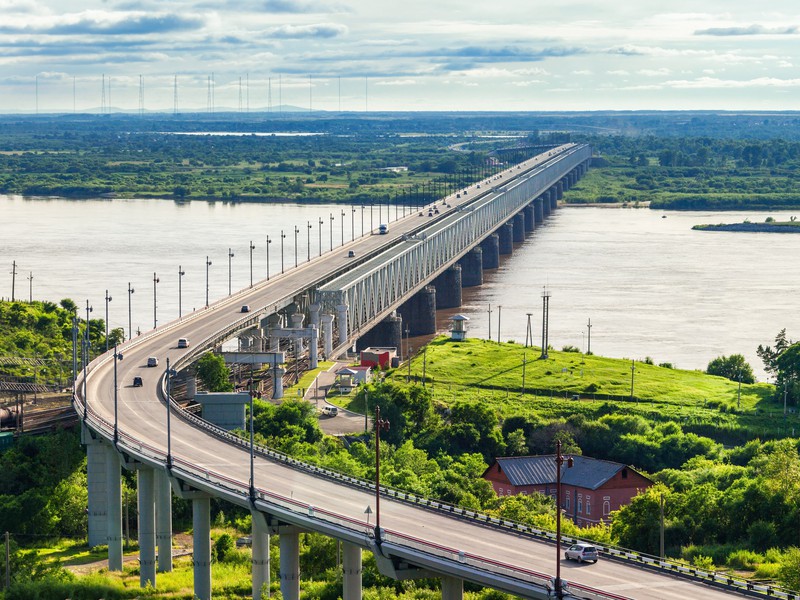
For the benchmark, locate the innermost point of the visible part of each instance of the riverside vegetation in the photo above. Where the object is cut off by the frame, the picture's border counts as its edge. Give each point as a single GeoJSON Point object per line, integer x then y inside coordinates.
{"type": "Point", "coordinates": [728, 469]}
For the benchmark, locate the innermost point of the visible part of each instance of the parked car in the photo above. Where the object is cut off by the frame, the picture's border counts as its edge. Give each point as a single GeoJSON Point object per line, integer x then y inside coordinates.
{"type": "Point", "coordinates": [137, 382]}
{"type": "Point", "coordinates": [183, 343]}
{"type": "Point", "coordinates": [245, 308]}
{"type": "Point", "coordinates": [582, 553]}
{"type": "Point", "coordinates": [152, 361]}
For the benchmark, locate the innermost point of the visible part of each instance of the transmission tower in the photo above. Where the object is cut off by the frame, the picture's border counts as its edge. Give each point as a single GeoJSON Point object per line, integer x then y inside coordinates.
{"type": "Point", "coordinates": [545, 321]}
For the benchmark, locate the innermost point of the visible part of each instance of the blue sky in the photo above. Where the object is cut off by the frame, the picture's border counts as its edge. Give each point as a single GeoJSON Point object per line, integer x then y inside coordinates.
{"type": "Point", "coordinates": [409, 55]}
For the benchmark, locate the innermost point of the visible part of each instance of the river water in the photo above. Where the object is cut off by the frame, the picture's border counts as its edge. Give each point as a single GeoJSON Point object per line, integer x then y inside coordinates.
{"type": "Point", "coordinates": [650, 284]}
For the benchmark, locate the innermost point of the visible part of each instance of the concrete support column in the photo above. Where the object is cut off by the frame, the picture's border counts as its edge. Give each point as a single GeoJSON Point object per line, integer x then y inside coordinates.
{"type": "Point", "coordinates": [419, 312]}
{"type": "Point", "coordinates": [289, 572]}
{"type": "Point", "coordinates": [277, 388]}
{"type": "Point", "coordinates": [538, 210]}
{"type": "Point", "coordinates": [96, 484]}
{"type": "Point", "coordinates": [274, 340]}
{"type": "Point", "coordinates": [327, 335]}
{"type": "Point", "coordinates": [491, 252]}
{"type": "Point", "coordinates": [519, 228]}
{"type": "Point", "coordinates": [313, 347]}
{"type": "Point", "coordinates": [388, 332]}
{"type": "Point", "coordinates": [555, 196]}
{"type": "Point", "coordinates": [147, 525]}
{"type": "Point", "coordinates": [313, 314]}
{"type": "Point", "coordinates": [351, 570]}
{"type": "Point", "coordinates": [559, 193]}
{"type": "Point", "coordinates": [341, 318]}
{"type": "Point", "coordinates": [472, 267]}
{"type": "Point", "coordinates": [506, 232]}
{"type": "Point", "coordinates": [114, 505]}
{"type": "Point", "coordinates": [448, 288]}
{"type": "Point", "coordinates": [163, 520]}
{"type": "Point", "coordinates": [530, 220]}
{"type": "Point", "coordinates": [297, 323]}
{"type": "Point", "coordinates": [201, 553]}
{"type": "Point", "coordinates": [546, 204]}
{"type": "Point", "coordinates": [452, 588]}
{"type": "Point", "coordinates": [260, 560]}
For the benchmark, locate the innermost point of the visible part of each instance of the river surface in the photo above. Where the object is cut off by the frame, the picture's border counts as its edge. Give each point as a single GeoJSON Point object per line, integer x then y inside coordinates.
{"type": "Point", "coordinates": [651, 286]}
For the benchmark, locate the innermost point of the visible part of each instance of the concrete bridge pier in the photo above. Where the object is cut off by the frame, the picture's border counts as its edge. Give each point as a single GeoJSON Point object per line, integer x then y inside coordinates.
{"type": "Point", "coordinates": [420, 312]}
{"type": "Point", "coordinates": [341, 319]}
{"type": "Point", "coordinates": [277, 387]}
{"type": "Point", "coordinates": [327, 335]}
{"type": "Point", "coordinates": [554, 198]}
{"type": "Point", "coordinates": [145, 479]}
{"type": "Point", "coordinates": [491, 252]}
{"type": "Point", "coordinates": [472, 267]}
{"type": "Point", "coordinates": [313, 346]}
{"type": "Point", "coordinates": [289, 572]}
{"type": "Point", "coordinates": [448, 288]}
{"type": "Point", "coordinates": [538, 210]}
{"type": "Point", "coordinates": [452, 588]}
{"type": "Point", "coordinates": [546, 202]}
{"type": "Point", "coordinates": [389, 332]}
{"type": "Point", "coordinates": [163, 520]}
{"type": "Point", "coordinates": [201, 552]}
{"type": "Point", "coordinates": [260, 559]}
{"type": "Point", "coordinates": [506, 232]}
{"type": "Point", "coordinates": [530, 221]}
{"type": "Point", "coordinates": [313, 314]}
{"type": "Point", "coordinates": [351, 571]}
{"type": "Point", "coordinates": [297, 323]}
{"type": "Point", "coordinates": [114, 505]}
{"type": "Point", "coordinates": [559, 193]}
{"type": "Point", "coordinates": [518, 231]}
{"type": "Point", "coordinates": [96, 484]}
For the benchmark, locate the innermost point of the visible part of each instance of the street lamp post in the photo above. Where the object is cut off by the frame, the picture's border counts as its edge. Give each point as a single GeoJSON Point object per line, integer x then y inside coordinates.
{"type": "Point", "coordinates": [86, 362]}
{"type": "Point", "coordinates": [342, 228]}
{"type": "Point", "coordinates": [331, 232]}
{"type": "Point", "coordinates": [116, 429]}
{"type": "Point", "coordinates": [308, 240]}
{"type": "Point", "coordinates": [362, 220]}
{"type": "Point", "coordinates": [283, 237]}
{"type": "Point", "coordinates": [379, 424]}
{"type": "Point", "coordinates": [252, 247]}
{"type": "Point", "coordinates": [560, 460]}
{"type": "Point", "coordinates": [155, 301]}
{"type": "Point", "coordinates": [208, 264]}
{"type": "Point", "coordinates": [353, 223]}
{"type": "Point", "coordinates": [269, 241]}
{"type": "Point", "coordinates": [296, 231]}
{"type": "Point", "coordinates": [230, 256]}
{"type": "Point", "coordinates": [181, 273]}
{"type": "Point", "coordinates": [320, 235]}
{"type": "Point", "coordinates": [108, 299]}
{"type": "Point", "coordinates": [169, 374]}
{"type": "Point", "coordinates": [130, 327]}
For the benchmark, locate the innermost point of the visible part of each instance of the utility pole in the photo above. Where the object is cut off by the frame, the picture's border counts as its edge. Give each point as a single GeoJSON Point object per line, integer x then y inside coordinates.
{"type": "Point", "coordinates": [528, 332]}
{"type": "Point", "coordinates": [490, 323]}
{"type": "Point", "coordinates": [589, 338]}
{"type": "Point", "coordinates": [545, 321]}
{"type": "Point", "coordinates": [379, 424]}
{"type": "Point", "coordinates": [13, 278]}
{"type": "Point", "coordinates": [661, 514]}
{"type": "Point", "coordinates": [633, 370]}
{"type": "Point", "coordinates": [499, 312]}
{"type": "Point", "coordinates": [30, 288]}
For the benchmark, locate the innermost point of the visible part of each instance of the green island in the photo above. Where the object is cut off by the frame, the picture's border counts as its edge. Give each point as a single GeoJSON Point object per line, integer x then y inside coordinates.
{"type": "Point", "coordinates": [721, 448]}
{"type": "Point", "coordinates": [768, 226]}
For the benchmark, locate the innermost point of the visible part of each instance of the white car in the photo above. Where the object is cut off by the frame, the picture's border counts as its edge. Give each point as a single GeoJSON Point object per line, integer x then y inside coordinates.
{"type": "Point", "coordinates": [330, 411]}
{"type": "Point", "coordinates": [183, 343]}
{"type": "Point", "coordinates": [582, 553]}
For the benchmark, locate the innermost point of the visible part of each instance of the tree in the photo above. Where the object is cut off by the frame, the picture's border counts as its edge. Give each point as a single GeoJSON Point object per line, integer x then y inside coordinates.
{"type": "Point", "coordinates": [769, 355]}
{"type": "Point", "coordinates": [213, 373]}
{"type": "Point", "coordinates": [733, 367]}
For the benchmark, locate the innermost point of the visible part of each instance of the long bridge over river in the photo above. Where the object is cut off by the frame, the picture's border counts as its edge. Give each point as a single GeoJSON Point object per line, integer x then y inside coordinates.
{"type": "Point", "coordinates": [423, 259]}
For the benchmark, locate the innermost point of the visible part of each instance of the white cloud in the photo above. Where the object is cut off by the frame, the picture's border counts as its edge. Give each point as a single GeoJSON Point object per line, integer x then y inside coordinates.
{"type": "Point", "coordinates": [654, 72]}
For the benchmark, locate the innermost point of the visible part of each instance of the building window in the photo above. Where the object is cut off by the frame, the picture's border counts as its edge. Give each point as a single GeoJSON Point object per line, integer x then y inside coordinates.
{"type": "Point", "coordinates": [580, 503]}
{"type": "Point", "coordinates": [606, 508]}
{"type": "Point", "coordinates": [566, 502]}
{"type": "Point", "coordinates": [499, 491]}
{"type": "Point", "coordinates": [588, 506]}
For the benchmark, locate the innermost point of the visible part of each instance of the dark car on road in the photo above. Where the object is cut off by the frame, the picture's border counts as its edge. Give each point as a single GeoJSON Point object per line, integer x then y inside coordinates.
{"type": "Point", "coordinates": [137, 382]}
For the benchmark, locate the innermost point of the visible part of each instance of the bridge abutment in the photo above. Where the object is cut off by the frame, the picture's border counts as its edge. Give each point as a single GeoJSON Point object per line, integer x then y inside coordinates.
{"type": "Point", "coordinates": [114, 505]}
{"type": "Point", "coordinates": [146, 505]}
{"type": "Point", "coordinates": [506, 233]}
{"type": "Point", "coordinates": [260, 559]}
{"type": "Point", "coordinates": [420, 312]}
{"type": "Point", "coordinates": [490, 248]}
{"type": "Point", "coordinates": [448, 288]}
{"type": "Point", "coordinates": [518, 231]}
{"type": "Point", "coordinates": [472, 267]}
{"type": "Point", "coordinates": [351, 571]}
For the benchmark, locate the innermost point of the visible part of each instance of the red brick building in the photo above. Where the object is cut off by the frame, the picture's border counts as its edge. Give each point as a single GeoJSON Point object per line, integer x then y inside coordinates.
{"type": "Point", "coordinates": [590, 490]}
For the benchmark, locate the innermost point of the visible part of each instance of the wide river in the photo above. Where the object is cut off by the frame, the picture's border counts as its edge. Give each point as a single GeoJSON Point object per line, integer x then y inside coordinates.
{"type": "Point", "coordinates": [650, 284]}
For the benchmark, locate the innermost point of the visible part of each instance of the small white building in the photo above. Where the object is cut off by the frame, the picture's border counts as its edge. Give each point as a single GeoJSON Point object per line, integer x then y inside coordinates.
{"type": "Point", "coordinates": [459, 330]}
{"type": "Point", "coordinates": [351, 377]}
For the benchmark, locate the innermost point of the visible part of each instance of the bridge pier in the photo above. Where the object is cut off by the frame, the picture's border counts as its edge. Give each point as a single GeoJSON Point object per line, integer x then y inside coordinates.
{"type": "Point", "coordinates": [201, 552]}
{"type": "Point", "coordinates": [260, 559]}
{"type": "Point", "coordinates": [313, 346]}
{"type": "Point", "coordinates": [506, 232]}
{"type": "Point", "coordinates": [546, 202]}
{"type": "Point", "coordinates": [472, 267]}
{"type": "Point", "coordinates": [296, 321]}
{"type": "Point", "coordinates": [389, 332]}
{"type": "Point", "coordinates": [163, 520]}
{"type": "Point", "coordinates": [538, 210]}
{"type": "Point", "coordinates": [559, 194]}
{"type": "Point", "coordinates": [491, 252]}
{"type": "Point", "coordinates": [289, 572]}
{"type": "Point", "coordinates": [530, 221]}
{"type": "Point", "coordinates": [97, 486]}
{"type": "Point", "coordinates": [277, 384]}
{"type": "Point", "coordinates": [518, 231]}
{"type": "Point", "coordinates": [452, 588]}
{"type": "Point", "coordinates": [351, 571]}
{"type": "Point", "coordinates": [448, 288]}
{"type": "Point", "coordinates": [341, 319]}
{"type": "Point", "coordinates": [420, 312]}
{"type": "Point", "coordinates": [147, 524]}
{"type": "Point", "coordinates": [114, 504]}
{"type": "Point", "coordinates": [327, 335]}
{"type": "Point", "coordinates": [313, 314]}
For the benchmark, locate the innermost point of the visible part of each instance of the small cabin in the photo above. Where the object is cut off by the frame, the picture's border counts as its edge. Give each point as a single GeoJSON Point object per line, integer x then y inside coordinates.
{"type": "Point", "coordinates": [349, 378]}
{"type": "Point", "coordinates": [458, 331]}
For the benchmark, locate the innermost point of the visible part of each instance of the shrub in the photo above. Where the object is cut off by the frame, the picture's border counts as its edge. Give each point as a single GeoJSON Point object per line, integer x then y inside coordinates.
{"type": "Point", "coordinates": [744, 559]}
{"type": "Point", "coordinates": [705, 563]}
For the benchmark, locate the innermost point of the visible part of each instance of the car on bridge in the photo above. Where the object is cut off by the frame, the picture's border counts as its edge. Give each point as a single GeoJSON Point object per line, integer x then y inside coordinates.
{"type": "Point", "coordinates": [137, 382]}
{"type": "Point", "coordinates": [183, 342]}
{"type": "Point", "coordinates": [582, 553]}
{"type": "Point", "coordinates": [152, 361]}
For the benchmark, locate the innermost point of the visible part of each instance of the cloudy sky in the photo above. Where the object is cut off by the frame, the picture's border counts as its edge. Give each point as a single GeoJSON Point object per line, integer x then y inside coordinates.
{"type": "Point", "coordinates": [399, 55]}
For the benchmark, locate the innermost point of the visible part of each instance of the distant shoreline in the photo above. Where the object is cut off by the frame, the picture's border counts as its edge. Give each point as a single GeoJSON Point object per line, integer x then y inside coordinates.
{"type": "Point", "coordinates": [752, 227]}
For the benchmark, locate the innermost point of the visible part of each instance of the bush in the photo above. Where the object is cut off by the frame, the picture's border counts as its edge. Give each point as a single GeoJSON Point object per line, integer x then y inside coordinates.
{"type": "Point", "coordinates": [762, 535]}
{"type": "Point", "coordinates": [704, 563]}
{"type": "Point", "coordinates": [744, 559]}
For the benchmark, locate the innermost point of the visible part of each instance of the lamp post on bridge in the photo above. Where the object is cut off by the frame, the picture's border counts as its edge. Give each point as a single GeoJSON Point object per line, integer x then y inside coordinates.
{"type": "Point", "coordinates": [342, 228]}
{"type": "Point", "coordinates": [362, 220]}
{"type": "Point", "coordinates": [252, 247]}
{"type": "Point", "coordinates": [331, 232]}
{"type": "Point", "coordinates": [181, 273]}
{"type": "Point", "coordinates": [352, 223]}
{"type": "Point", "coordinates": [108, 299]}
{"type": "Point", "coordinates": [156, 280]}
{"type": "Point", "coordinates": [269, 241]}
{"type": "Point", "coordinates": [230, 256]}
{"type": "Point", "coordinates": [130, 325]}
{"type": "Point", "coordinates": [283, 237]}
{"type": "Point", "coordinates": [560, 460]}
{"type": "Point", "coordinates": [308, 240]}
{"type": "Point", "coordinates": [86, 362]}
{"type": "Point", "coordinates": [320, 235]}
{"type": "Point", "coordinates": [296, 231]}
{"type": "Point", "coordinates": [208, 264]}
{"type": "Point", "coordinates": [379, 424]}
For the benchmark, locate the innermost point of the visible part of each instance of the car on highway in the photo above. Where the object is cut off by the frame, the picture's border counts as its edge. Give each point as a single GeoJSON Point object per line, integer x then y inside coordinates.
{"type": "Point", "coordinates": [183, 343]}
{"type": "Point", "coordinates": [351, 254]}
{"type": "Point", "coordinates": [137, 382]}
{"type": "Point", "coordinates": [152, 361]}
{"type": "Point", "coordinates": [383, 229]}
{"type": "Point", "coordinates": [582, 553]}
{"type": "Point", "coordinates": [245, 308]}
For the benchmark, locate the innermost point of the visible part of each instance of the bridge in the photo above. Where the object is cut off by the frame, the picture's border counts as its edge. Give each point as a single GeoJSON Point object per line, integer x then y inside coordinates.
{"type": "Point", "coordinates": [142, 429]}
